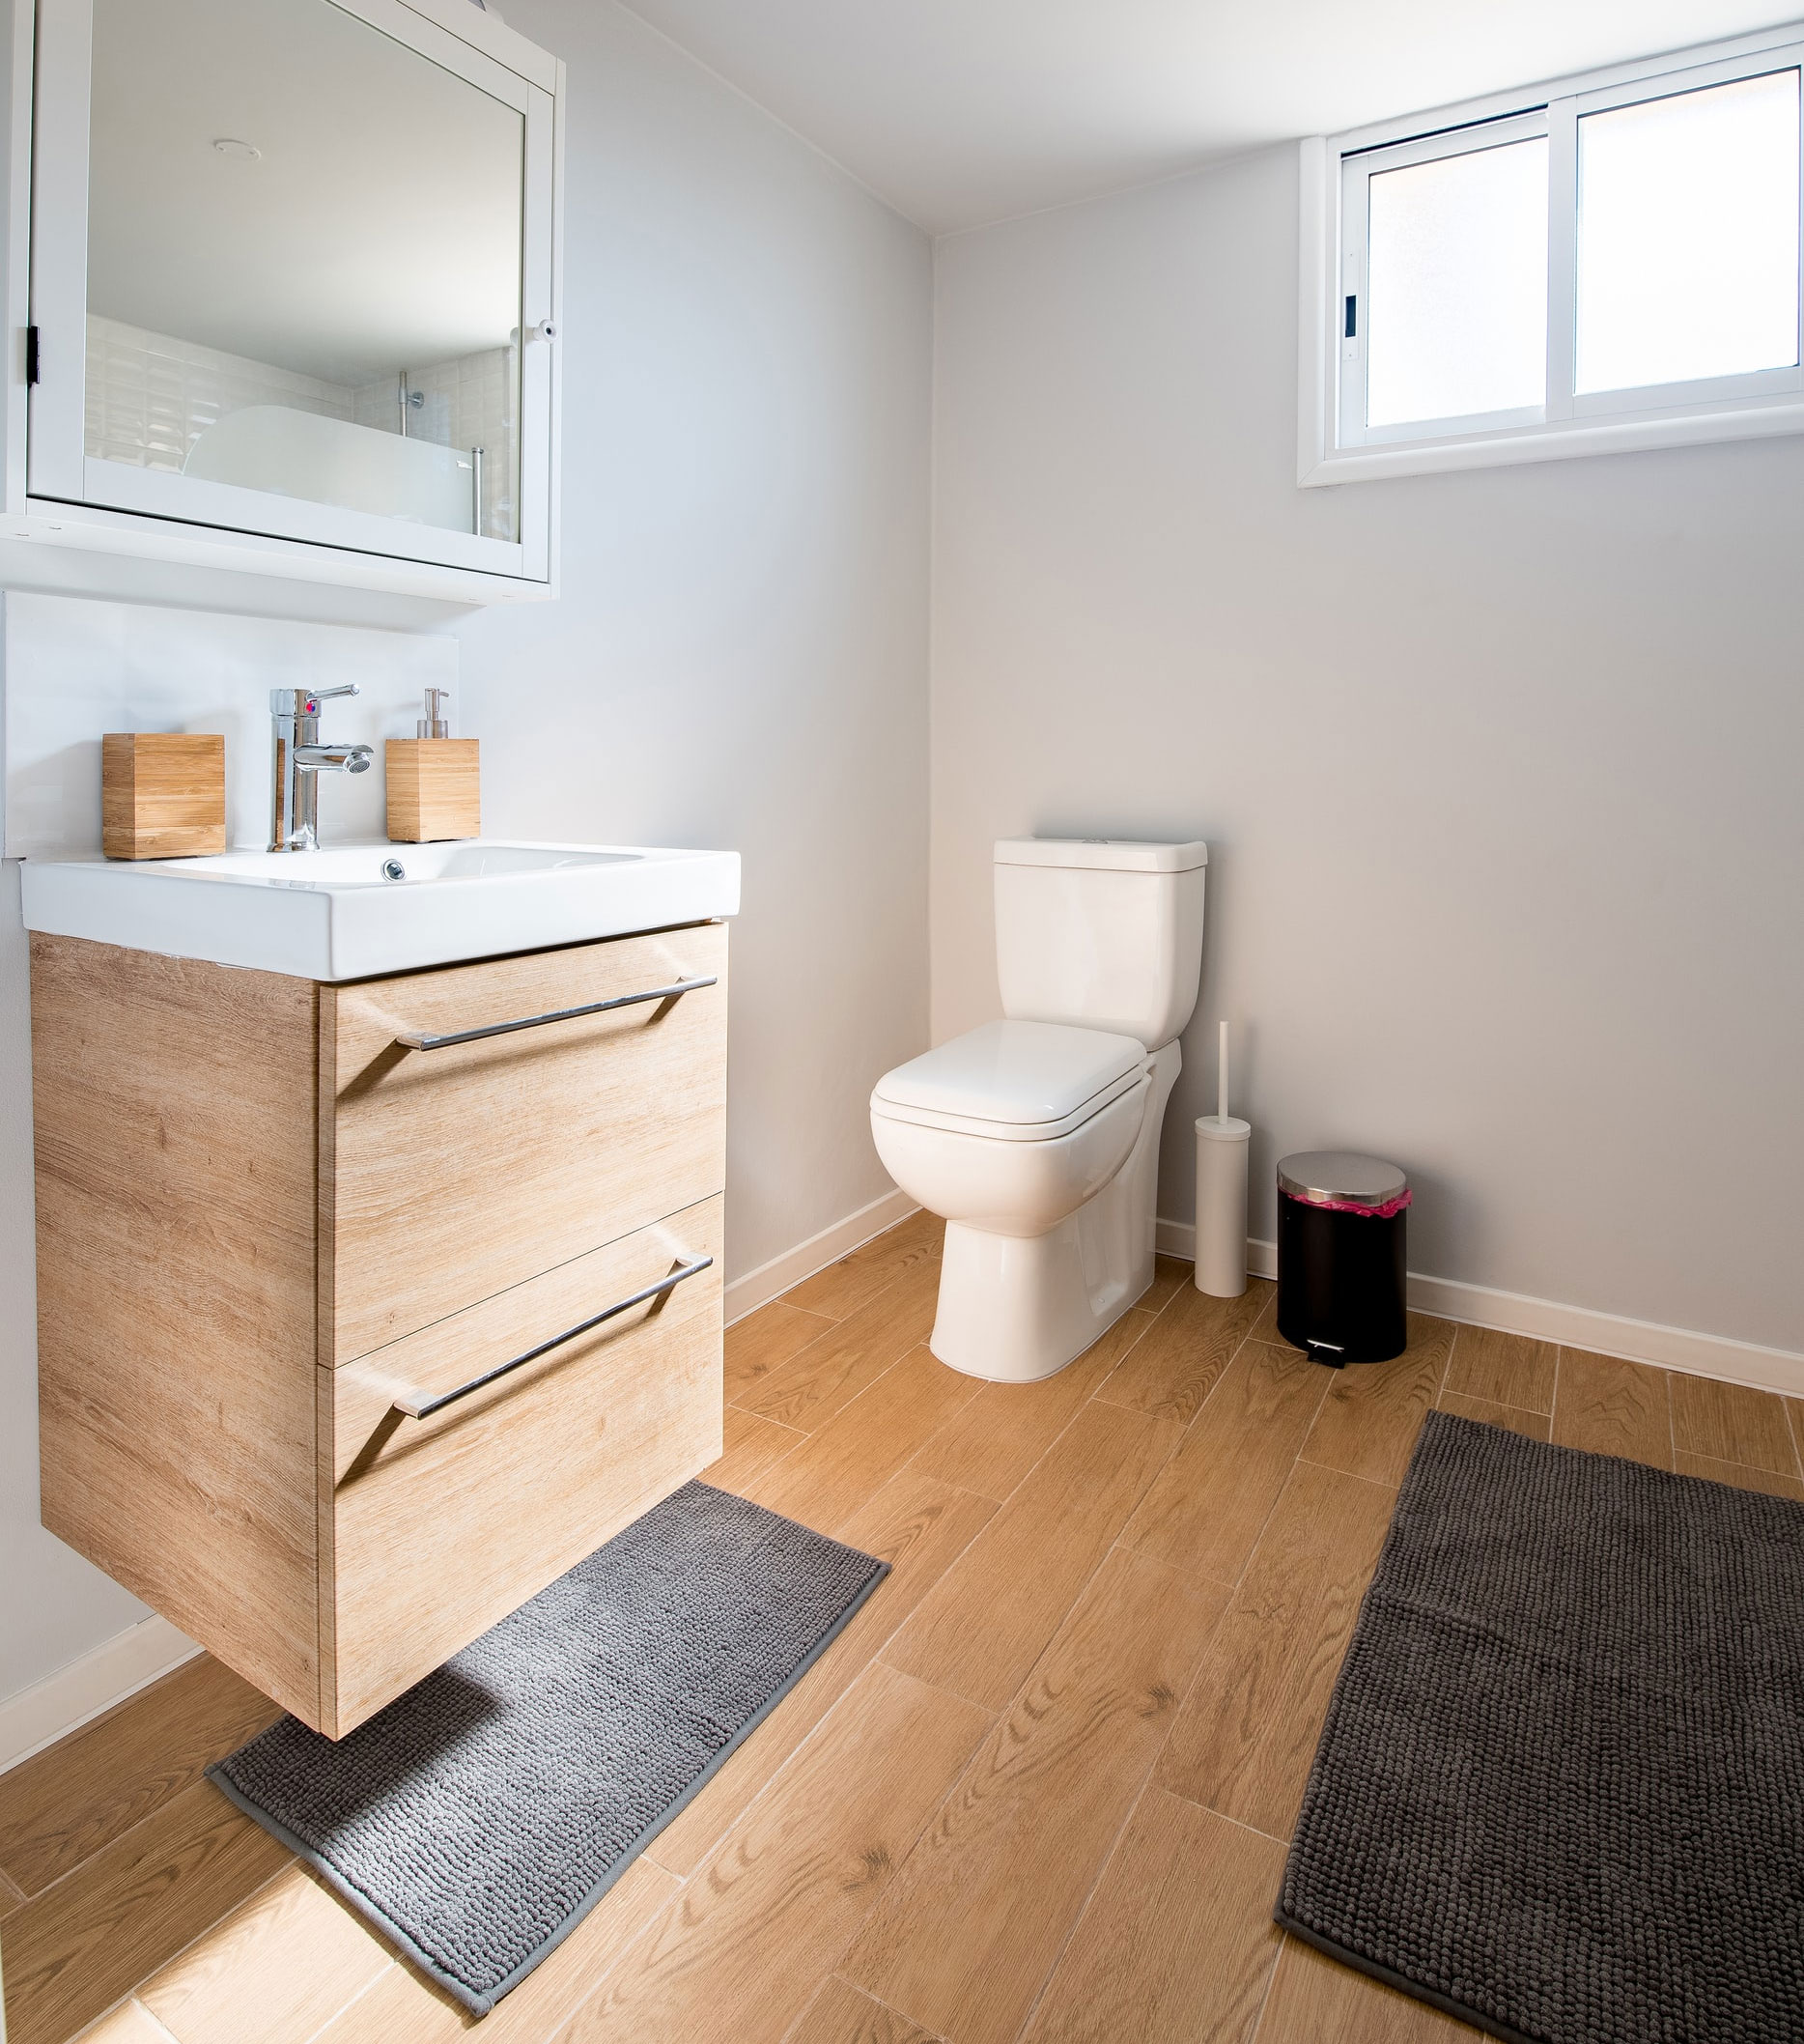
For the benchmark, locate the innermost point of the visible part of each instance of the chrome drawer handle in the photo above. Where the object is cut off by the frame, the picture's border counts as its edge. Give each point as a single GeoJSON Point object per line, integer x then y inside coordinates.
{"type": "Point", "coordinates": [413, 1041]}
{"type": "Point", "coordinates": [416, 1408]}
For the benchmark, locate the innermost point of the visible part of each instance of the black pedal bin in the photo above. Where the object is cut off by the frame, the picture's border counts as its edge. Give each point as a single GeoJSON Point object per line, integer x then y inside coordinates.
{"type": "Point", "coordinates": [1340, 1269]}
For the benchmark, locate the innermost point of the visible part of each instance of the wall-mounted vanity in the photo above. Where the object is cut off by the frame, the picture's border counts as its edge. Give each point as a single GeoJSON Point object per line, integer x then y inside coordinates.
{"type": "Point", "coordinates": [283, 291]}
{"type": "Point", "coordinates": [379, 1275]}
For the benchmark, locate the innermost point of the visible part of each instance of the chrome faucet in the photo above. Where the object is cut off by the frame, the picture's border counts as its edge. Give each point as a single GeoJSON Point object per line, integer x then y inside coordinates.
{"type": "Point", "coordinates": [298, 760]}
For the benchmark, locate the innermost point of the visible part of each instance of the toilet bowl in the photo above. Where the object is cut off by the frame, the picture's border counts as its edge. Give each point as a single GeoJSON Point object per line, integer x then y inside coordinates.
{"type": "Point", "coordinates": [1037, 1137]}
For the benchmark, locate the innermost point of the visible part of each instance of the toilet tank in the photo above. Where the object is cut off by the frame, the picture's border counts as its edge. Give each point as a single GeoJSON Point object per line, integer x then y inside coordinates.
{"type": "Point", "coordinates": [1102, 933]}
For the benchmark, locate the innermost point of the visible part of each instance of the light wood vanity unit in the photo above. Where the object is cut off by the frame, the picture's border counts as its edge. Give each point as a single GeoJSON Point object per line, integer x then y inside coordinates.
{"type": "Point", "coordinates": [286, 1229]}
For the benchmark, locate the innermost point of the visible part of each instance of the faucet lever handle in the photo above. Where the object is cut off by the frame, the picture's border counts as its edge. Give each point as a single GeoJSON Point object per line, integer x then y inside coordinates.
{"type": "Point", "coordinates": [305, 703]}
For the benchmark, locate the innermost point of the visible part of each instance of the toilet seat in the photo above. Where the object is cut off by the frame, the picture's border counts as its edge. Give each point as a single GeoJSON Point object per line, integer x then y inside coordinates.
{"type": "Point", "coordinates": [1012, 1082]}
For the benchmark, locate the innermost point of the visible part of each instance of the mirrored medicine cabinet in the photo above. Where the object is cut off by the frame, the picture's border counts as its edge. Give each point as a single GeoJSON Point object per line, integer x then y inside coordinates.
{"type": "Point", "coordinates": [293, 290]}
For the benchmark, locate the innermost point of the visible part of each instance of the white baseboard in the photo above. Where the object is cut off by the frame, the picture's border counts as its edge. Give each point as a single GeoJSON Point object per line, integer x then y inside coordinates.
{"type": "Point", "coordinates": [758, 1287]}
{"type": "Point", "coordinates": [1714, 1355]}
{"type": "Point", "coordinates": [107, 1674]}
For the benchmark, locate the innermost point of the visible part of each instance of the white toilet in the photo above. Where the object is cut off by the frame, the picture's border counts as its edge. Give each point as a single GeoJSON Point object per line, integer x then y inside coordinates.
{"type": "Point", "coordinates": [1037, 1138]}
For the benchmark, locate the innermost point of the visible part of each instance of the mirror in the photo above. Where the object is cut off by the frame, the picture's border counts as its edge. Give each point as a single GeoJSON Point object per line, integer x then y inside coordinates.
{"type": "Point", "coordinates": [304, 262]}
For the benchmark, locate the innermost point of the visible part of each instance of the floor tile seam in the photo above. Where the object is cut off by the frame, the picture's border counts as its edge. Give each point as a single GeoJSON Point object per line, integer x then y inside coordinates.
{"type": "Point", "coordinates": [814, 1732]}
{"type": "Point", "coordinates": [901, 1624]}
{"type": "Point", "coordinates": [127, 2001]}
{"type": "Point", "coordinates": [1089, 1896]}
{"type": "Point", "coordinates": [1233, 1588]}
{"type": "Point", "coordinates": [1500, 1404]}
{"type": "Point", "coordinates": [933, 2035]}
{"type": "Point", "coordinates": [1735, 1461]}
{"type": "Point", "coordinates": [150, 1816]}
{"type": "Point", "coordinates": [10, 1889]}
{"type": "Point", "coordinates": [1192, 1576]}
{"type": "Point", "coordinates": [1026, 1475]}
{"type": "Point", "coordinates": [626, 1951]}
{"type": "Point", "coordinates": [1352, 1475]}
{"type": "Point", "coordinates": [1076, 1598]}
{"type": "Point", "coordinates": [875, 1656]}
{"type": "Point", "coordinates": [788, 1298]}
{"type": "Point", "coordinates": [776, 1461]}
{"type": "Point", "coordinates": [872, 1297]}
{"type": "Point", "coordinates": [7, 1879]}
{"type": "Point", "coordinates": [1203, 1403]}
{"type": "Point", "coordinates": [369, 1986]}
{"type": "Point", "coordinates": [1271, 1978]}
{"type": "Point", "coordinates": [1114, 1368]}
{"type": "Point", "coordinates": [834, 1328]}
{"type": "Point", "coordinates": [789, 1362]}
{"type": "Point", "coordinates": [832, 1975]}
{"type": "Point", "coordinates": [1240, 1823]}
{"type": "Point", "coordinates": [1791, 1432]}
{"type": "Point", "coordinates": [813, 1432]}
{"type": "Point", "coordinates": [1002, 1504]}
{"type": "Point", "coordinates": [1107, 1858]}
{"type": "Point", "coordinates": [834, 1966]}
{"type": "Point", "coordinates": [206, 1931]}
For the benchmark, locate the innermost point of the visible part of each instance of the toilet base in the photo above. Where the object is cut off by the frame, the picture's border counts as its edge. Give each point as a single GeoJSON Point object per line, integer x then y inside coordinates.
{"type": "Point", "coordinates": [1015, 1309]}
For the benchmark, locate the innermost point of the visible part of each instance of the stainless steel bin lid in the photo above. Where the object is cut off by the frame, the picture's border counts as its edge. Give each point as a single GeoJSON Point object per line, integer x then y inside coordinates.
{"type": "Point", "coordinates": [1343, 1179]}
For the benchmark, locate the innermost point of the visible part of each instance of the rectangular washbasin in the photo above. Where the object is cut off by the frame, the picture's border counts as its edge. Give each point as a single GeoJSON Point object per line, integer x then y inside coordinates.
{"type": "Point", "coordinates": [355, 911]}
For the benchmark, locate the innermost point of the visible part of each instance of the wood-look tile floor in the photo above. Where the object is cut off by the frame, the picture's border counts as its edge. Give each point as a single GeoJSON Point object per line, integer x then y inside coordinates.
{"type": "Point", "coordinates": [1041, 1787]}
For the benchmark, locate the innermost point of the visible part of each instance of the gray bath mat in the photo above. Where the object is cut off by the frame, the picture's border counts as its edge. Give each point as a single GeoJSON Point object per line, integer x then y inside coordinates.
{"type": "Point", "coordinates": [479, 1818]}
{"type": "Point", "coordinates": [1559, 1792]}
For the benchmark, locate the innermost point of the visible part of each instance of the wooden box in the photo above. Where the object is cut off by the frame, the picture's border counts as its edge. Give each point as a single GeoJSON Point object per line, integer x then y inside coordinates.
{"type": "Point", "coordinates": [435, 789]}
{"type": "Point", "coordinates": [163, 794]}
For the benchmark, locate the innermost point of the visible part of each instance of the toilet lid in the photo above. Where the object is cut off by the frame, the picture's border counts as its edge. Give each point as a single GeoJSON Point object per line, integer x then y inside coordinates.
{"type": "Point", "coordinates": [1017, 1077]}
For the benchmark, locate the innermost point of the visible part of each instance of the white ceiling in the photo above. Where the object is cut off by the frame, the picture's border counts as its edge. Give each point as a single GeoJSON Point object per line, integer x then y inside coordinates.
{"type": "Point", "coordinates": [960, 112]}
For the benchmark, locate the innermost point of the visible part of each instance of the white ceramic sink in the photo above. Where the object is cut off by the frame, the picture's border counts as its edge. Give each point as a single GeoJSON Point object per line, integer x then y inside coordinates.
{"type": "Point", "coordinates": [346, 914]}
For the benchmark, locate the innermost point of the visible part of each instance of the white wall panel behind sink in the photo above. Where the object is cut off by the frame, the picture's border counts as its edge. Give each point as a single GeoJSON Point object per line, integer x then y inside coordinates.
{"type": "Point", "coordinates": [361, 910]}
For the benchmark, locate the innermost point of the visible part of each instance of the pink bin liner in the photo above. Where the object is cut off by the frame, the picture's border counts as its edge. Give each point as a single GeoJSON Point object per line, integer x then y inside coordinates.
{"type": "Point", "coordinates": [1374, 1213]}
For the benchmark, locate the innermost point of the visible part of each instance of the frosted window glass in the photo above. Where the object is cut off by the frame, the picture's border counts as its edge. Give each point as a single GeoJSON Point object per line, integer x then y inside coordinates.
{"type": "Point", "coordinates": [1456, 286]}
{"type": "Point", "coordinates": [1689, 236]}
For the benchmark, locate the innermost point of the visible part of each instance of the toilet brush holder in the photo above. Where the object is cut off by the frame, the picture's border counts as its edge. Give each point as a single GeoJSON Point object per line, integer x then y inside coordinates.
{"type": "Point", "coordinates": [1223, 1147]}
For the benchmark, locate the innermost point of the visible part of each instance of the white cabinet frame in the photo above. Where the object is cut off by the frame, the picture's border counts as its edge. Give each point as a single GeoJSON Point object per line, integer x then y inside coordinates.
{"type": "Point", "coordinates": [1336, 445]}
{"type": "Point", "coordinates": [56, 493]}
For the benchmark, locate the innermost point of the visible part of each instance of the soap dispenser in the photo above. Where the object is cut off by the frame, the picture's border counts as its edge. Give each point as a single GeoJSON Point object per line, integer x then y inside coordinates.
{"type": "Point", "coordinates": [435, 781]}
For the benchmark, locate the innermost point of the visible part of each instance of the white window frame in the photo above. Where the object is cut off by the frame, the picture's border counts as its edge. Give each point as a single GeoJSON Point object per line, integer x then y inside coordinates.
{"type": "Point", "coordinates": [62, 478]}
{"type": "Point", "coordinates": [1334, 443]}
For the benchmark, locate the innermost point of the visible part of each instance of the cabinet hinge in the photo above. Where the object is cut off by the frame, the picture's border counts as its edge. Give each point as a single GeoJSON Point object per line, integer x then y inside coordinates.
{"type": "Point", "coordinates": [31, 355]}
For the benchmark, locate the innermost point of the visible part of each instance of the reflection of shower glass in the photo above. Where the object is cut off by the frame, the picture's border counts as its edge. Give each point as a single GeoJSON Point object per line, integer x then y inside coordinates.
{"type": "Point", "coordinates": [289, 340]}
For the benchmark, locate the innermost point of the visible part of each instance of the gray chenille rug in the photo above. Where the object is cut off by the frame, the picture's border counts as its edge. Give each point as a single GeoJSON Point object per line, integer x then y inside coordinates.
{"type": "Point", "coordinates": [1559, 1792]}
{"type": "Point", "coordinates": [479, 1818]}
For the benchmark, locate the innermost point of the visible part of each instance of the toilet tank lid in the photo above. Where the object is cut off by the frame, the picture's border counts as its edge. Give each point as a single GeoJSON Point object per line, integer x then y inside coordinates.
{"type": "Point", "coordinates": [1015, 1072]}
{"type": "Point", "coordinates": [1113, 855]}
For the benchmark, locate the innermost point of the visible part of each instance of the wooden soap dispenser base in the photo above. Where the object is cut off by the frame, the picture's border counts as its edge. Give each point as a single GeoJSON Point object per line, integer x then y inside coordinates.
{"type": "Point", "coordinates": [435, 781]}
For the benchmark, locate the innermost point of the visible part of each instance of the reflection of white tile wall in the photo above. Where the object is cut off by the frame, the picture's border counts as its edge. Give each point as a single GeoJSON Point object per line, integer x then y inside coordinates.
{"type": "Point", "coordinates": [468, 403]}
{"type": "Point", "coordinates": [150, 396]}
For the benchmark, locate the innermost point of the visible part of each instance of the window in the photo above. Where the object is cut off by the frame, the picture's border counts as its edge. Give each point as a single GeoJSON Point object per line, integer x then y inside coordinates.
{"type": "Point", "coordinates": [1614, 266]}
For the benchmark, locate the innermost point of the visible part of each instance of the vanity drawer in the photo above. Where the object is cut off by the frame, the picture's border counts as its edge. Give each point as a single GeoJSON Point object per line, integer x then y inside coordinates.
{"type": "Point", "coordinates": [438, 1527]}
{"type": "Point", "coordinates": [450, 1172]}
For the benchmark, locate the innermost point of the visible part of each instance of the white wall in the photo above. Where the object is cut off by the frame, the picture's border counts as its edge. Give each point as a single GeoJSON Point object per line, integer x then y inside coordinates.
{"type": "Point", "coordinates": [739, 659]}
{"type": "Point", "coordinates": [1499, 770]}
